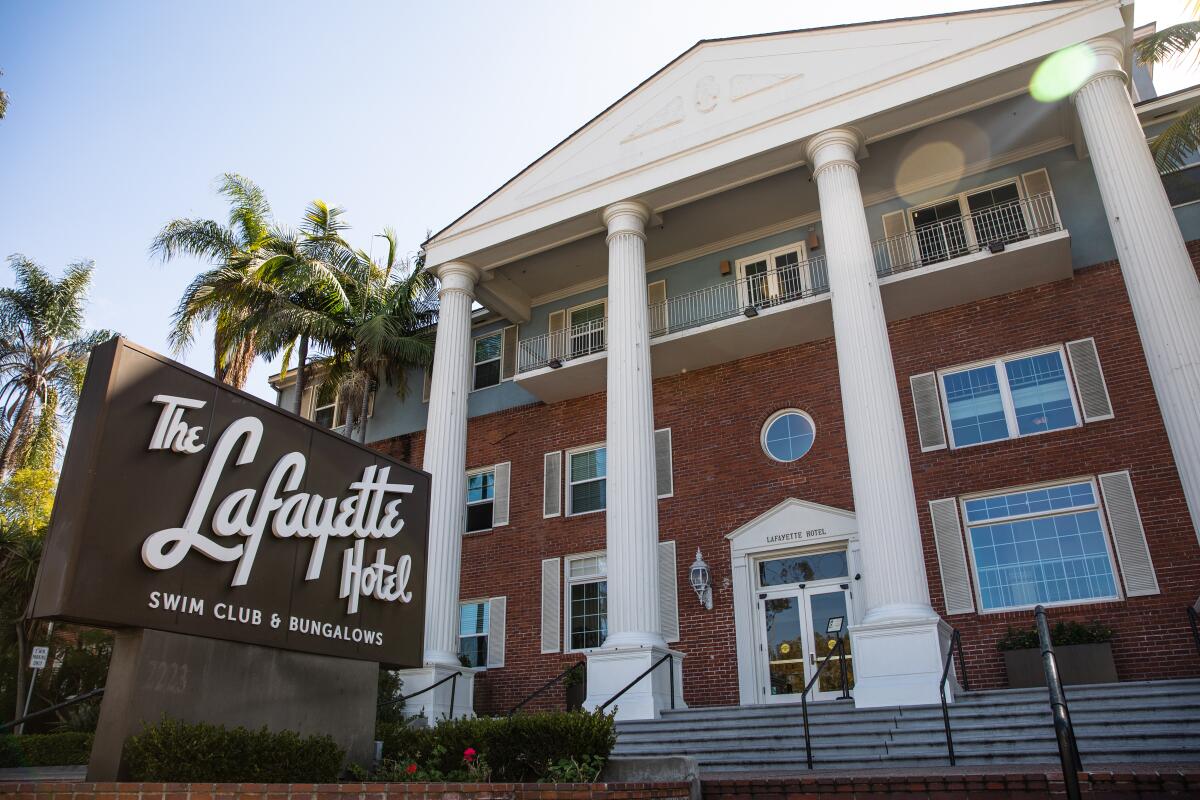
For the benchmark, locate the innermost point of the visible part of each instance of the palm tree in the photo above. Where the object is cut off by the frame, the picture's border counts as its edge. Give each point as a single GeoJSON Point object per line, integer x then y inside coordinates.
{"type": "Point", "coordinates": [1179, 140]}
{"type": "Point", "coordinates": [43, 350]}
{"type": "Point", "coordinates": [233, 250]}
{"type": "Point", "coordinates": [20, 552]}
{"type": "Point", "coordinates": [386, 329]}
{"type": "Point", "coordinates": [3, 100]}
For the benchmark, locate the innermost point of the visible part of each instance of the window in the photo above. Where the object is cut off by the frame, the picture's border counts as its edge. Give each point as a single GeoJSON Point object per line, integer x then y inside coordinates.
{"type": "Point", "coordinates": [487, 361]}
{"type": "Point", "coordinates": [776, 276]}
{"type": "Point", "coordinates": [1013, 396]}
{"type": "Point", "coordinates": [587, 329]}
{"type": "Point", "coordinates": [473, 633]}
{"type": "Point", "coordinates": [328, 410]}
{"type": "Point", "coordinates": [1183, 185]}
{"type": "Point", "coordinates": [481, 496]}
{"type": "Point", "coordinates": [587, 601]}
{"type": "Point", "coordinates": [943, 230]}
{"type": "Point", "coordinates": [803, 568]}
{"type": "Point", "coordinates": [586, 478]}
{"type": "Point", "coordinates": [788, 435]}
{"type": "Point", "coordinates": [1044, 545]}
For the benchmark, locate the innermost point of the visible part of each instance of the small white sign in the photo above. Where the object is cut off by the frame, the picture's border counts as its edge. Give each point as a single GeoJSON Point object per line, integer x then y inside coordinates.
{"type": "Point", "coordinates": [37, 659]}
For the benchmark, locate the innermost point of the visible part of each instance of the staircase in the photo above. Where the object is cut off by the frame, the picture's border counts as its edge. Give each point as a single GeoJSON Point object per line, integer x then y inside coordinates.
{"type": "Point", "coordinates": [1120, 723]}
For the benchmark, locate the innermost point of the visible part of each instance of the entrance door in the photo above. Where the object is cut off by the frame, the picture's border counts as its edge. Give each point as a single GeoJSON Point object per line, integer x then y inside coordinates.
{"type": "Point", "coordinates": [828, 617]}
{"type": "Point", "coordinates": [769, 278]}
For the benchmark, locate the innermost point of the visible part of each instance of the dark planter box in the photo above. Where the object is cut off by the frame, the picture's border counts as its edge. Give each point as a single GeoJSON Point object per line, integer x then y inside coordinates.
{"type": "Point", "coordinates": [576, 694]}
{"type": "Point", "coordinates": [1077, 663]}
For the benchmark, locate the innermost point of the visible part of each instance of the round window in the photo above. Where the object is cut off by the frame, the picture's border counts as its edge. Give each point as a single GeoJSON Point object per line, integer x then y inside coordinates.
{"type": "Point", "coordinates": [788, 435]}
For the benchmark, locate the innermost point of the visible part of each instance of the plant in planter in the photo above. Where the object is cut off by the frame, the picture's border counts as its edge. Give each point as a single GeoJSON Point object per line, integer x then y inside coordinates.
{"type": "Point", "coordinates": [575, 683]}
{"type": "Point", "coordinates": [1083, 653]}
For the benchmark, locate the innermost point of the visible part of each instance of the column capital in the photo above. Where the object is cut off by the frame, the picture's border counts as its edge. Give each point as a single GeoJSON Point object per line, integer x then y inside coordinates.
{"type": "Point", "coordinates": [1108, 58]}
{"type": "Point", "coordinates": [834, 146]}
{"type": "Point", "coordinates": [627, 216]}
{"type": "Point", "coordinates": [457, 276]}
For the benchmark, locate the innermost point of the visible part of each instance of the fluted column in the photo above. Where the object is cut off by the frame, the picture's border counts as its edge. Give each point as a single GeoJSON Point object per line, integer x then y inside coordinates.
{"type": "Point", "coordinates": [632, 510]}
{"type": "Point", "coordinates": [446, 459]}
{"type": "Point", "coordinates": [1159, 276]}
{"type": "Point", "coordinates": [881, 478]}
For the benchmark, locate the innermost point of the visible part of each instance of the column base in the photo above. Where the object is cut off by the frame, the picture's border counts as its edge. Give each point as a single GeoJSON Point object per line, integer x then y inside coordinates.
{"type": "Point", "coordinates": [610, 669]}
{"type": "Point", "coordinates": [435, 704]}
{"type": "Point", "coordinates": [899, 662]}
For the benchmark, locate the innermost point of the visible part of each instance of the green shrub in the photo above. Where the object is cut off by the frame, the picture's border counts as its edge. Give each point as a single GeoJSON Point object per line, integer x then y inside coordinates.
{"type": "Point", "coordinates": [45, 749]}
{"type": "Point", "coordinates": [518, 749]}
{"type": "Point", "coordinates": [1061, 635]}
{"type": "Point", "coordinates": [180, 752]}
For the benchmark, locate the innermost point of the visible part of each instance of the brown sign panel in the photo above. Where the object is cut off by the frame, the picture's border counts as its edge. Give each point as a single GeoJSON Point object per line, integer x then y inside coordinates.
{"type": "Point", "coordinates": [187, 506]}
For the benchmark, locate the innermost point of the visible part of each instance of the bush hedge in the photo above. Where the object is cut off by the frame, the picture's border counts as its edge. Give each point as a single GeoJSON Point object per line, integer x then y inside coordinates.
{"type": "Point", "coordinates": [179, 752]}
{"type": "Point", "coordinates": [1061, 635]}
{"type": "Point", "coordinates": [517, 749]}
{"type": "Point", "coordinates": [45, 749]}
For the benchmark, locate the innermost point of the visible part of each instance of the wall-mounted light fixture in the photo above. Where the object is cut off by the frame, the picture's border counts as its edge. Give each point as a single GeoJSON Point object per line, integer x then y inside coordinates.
{"type": "Point", "coordinates": [813, 241]}
{"type": "Point", "coordinates": [554, 363]}
{"type": "Point", "coordinates": [701, 579]}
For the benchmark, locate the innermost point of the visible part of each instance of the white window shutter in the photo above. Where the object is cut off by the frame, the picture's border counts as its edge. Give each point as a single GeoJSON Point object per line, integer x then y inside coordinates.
{"type": "Point", "coordinates": [927, 405]}
{"type": "Point", "coordinates": [502, 474]}
{"type": "Point", "coordinates": [497, 607]}
{"type": "Point", "coordinates": [656, 300]}
{"type": "Point", "coordinates": [551, 604]}
{"type": "Point", "coordinates": [898, 251]}
{"type": "Point", "coordinates": [306, 402]}
{"type": "Point", "coordinates": [556, 346]}
{"type": "Point", "coordinates": [1043, 216]}
{"type": "Point", "coordinates": [427, 385]}
{"type": "Point", "coordinates": [1090, 386]}
{"type": "Point", "coordinates": [552, 484]}
{"type": "Point", "coordinates": [1128, 535]}
{"type": "Point", "coordinates": [952, 558]}
{"type": "Point", "coordinates": [508, 352]}
{"type": "Point", "coordinates": [668, 592]}
{"type": "Point", "coordinates": [663, 463]}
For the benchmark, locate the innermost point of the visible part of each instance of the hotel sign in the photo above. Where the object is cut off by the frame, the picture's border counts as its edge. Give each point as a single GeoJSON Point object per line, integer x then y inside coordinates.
{"type": "Point", "coordinates": [189, 507]}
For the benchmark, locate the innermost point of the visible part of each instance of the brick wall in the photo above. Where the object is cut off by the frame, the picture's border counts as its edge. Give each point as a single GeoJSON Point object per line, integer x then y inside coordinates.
{"type": "Point", "coordinates": [723, 480]}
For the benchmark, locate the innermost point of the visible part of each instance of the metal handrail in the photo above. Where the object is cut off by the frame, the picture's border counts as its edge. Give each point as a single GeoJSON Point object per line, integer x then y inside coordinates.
{"type": "Point", "coordinates": [53, 708]}
{"type": "Point", "coordinates": [1194, 620]}
{"type": "Point", "coordinates": [545, 686]}
{"type": "Point", "coordinates": [1003, 223]}
{"type": "Point", "coordinates": [1064, 731]}
{"type": "Point", "coordinates": [955, 644]}
{"type": "Point", "coordinates": [840, 649]}
{"type": "Point", "coordinates": [632, 683]}
{"type": "Point", "coordinates": [452, 677]}
{"type": "Point", "coordinates": [562, 345]}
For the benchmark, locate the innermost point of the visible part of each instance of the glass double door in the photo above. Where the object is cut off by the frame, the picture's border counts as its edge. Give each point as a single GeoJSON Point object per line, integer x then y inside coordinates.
{"type": "Point", "coordinates": [799, 627]}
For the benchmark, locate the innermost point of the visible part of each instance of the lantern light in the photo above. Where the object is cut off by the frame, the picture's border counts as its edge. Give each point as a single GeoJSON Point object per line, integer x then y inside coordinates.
{"type": "Point", "coordinates": [701, 579]}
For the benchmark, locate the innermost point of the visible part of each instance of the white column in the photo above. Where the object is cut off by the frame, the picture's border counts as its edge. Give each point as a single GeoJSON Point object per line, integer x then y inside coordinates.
{"type": "Point", "coordinates": [446, 462]}
{"type": "Point", "coordinates": [1159, 276]}
{"type": "Point", "coordinates": [635, 640]}
{"type": "Point", "coordinates": [897, 651]}
{"type": "Point", "coordinates": [632, 511]}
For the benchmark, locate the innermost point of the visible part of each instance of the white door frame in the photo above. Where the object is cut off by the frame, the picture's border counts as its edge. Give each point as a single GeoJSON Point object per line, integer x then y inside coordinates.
{"type": "Point", "coordinates": [793, 524]}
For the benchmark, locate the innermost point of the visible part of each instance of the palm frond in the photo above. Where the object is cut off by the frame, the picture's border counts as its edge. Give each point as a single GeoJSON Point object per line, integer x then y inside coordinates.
{"type": "Point", "coordinates": [1174, 147]}
{"type": "Point", "coordinates": [1169, 43]}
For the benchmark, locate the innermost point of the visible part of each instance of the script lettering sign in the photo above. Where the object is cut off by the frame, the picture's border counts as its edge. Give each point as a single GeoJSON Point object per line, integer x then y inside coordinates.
{"type": "Point", "coordinates": [190, 507]}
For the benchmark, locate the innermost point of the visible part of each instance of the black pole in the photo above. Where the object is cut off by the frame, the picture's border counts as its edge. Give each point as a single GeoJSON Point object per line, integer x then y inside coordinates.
{"type": "Point", "coordinates": [1068, 750]}
{"type": "Point", "coordinates": [1191, 612]}
{"type": "Point", "coordinates": [962, 662]}
{"type": "Point", "coordinates": [453, 687]}
{"type": "Point", "coordinates": [841, 644]}
{"type": "Point", "coordinates": [671, 672]}
{"type": "Point", "coordinates": [807, 742]}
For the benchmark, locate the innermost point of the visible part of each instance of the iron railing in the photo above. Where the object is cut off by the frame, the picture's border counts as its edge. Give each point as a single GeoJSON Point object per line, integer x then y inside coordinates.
{"type": "Point", "coordinates": [452, 677]}
{"type": "Point", "coordinates": [1192, 620]}
{"type": "Point", "coordinates": [746, 295]}
{"type": "Point", "coordinates": [982, 229]}
{"type": "Point", "coordinates": [1064, 731]}
{"type": "Point", "coordinates": [840, 650]}
{"type": "Point", "coordinates": [545, 686]}
{"type": "Point", "coordinates": [51, 709]}
{"type": "Point", "coordinates": [669, 657]}
{"type": "Point", "coordinates": [955, 646]}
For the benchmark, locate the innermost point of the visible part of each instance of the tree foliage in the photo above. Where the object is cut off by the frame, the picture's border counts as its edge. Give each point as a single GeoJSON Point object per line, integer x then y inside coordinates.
{"type": "Point", "coordinates": [1179, 141]}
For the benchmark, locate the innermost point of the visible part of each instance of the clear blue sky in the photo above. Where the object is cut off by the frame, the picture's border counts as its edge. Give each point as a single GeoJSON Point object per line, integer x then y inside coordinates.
{"type": "Point", "coordinates": [122, 114]}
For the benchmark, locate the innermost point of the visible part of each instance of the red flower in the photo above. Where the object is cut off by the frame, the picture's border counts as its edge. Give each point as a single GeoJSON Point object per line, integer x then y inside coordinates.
{"type": "Point", "coordinates": [410, 769]}
{"type": "Point", "coordinates": [469, 754]}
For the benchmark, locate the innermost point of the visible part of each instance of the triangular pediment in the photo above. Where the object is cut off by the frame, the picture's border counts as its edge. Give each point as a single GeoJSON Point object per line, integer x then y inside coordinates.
{"type": "Point", "coordinates": [724, 100]}
{"type": "Point", "coordinates": [793, 523]}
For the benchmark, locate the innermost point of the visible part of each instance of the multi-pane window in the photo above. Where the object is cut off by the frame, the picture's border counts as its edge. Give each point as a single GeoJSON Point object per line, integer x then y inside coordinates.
{"type": "Point", "coordinates": [788, 435]}
{"type": "Point", "coordinates": [587, 601]}
{"type": "Point", "coordinates": [1043, 545]}
{"type": "Point", "coordinates": [1183, 185]}
{"type": "Point", "coordinates": [487, 360]}
{"type": "Point", "coordinates": [328, 411]}
{"type": "Point", "coordinates": [1010, 397]}
{"type": "Point", "coordinates": [941, 229]}
{"type": "Point", "coordinates": [481, 496]}
{"type": "Point", "coordinates": [586, 479]}
{"type": "Point", "coordinates": [587, 329]}
{"type": "Point", "coordinates": [473, 633]}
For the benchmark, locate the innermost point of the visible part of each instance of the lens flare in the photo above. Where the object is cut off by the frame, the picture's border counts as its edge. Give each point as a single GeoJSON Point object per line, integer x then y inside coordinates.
{"type": "Point", "coordinates": [1062, 73]}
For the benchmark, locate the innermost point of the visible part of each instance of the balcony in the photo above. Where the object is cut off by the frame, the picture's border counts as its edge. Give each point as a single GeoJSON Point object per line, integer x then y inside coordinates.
{"type": "Point", "coordinates": [1002, 248]}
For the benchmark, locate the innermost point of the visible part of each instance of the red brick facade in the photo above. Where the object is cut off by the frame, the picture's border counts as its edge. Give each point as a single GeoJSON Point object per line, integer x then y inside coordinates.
{"type": "Point", "coordinates": [722, 480]}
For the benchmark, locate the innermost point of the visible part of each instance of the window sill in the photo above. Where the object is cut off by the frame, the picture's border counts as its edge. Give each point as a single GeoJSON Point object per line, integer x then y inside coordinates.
{"type": "Point", "coordinates": [586, 513]}
{"type": "Point", "coordinates": [955, 447]}
{"type": "Point", "coordinates": [1058, 604]}
{"type": "Point", "coordinates": [478, 532]}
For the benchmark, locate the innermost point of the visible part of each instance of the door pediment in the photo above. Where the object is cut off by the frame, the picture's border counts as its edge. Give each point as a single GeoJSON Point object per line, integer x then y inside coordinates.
{"type": "Point", "coordinates": [793, 523]}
